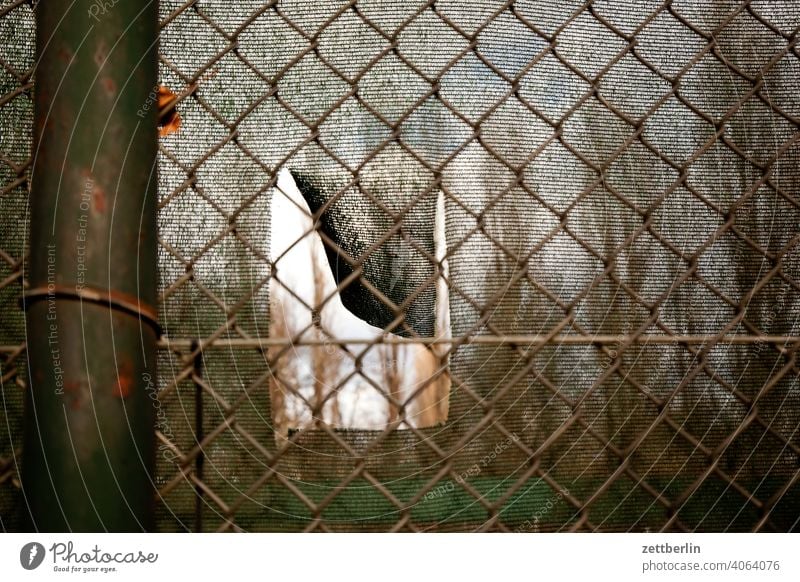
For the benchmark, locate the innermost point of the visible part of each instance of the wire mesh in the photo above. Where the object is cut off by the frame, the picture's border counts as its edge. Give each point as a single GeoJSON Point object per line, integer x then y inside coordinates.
{"type": "Point", "coordinates": [620, 186]}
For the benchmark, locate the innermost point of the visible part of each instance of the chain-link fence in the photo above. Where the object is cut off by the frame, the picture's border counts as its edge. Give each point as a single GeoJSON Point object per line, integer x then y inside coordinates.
{"type": "Point", "coordinates": [604, 316]}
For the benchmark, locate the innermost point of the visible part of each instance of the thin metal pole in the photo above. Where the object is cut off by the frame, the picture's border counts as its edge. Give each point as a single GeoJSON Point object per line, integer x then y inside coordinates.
{"type": "Point", "coordinates": [91, 317]}
{"type": "Point", "coordinates": [522, 340]}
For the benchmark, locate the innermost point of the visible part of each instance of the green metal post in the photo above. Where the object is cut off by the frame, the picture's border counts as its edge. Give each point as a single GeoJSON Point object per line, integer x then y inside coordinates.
{"type": "Point", "coordinates": [91, 320]}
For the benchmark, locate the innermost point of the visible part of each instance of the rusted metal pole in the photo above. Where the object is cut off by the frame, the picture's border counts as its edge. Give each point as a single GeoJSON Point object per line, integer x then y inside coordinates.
{"type": "Point", "coordinates": [91, 317]}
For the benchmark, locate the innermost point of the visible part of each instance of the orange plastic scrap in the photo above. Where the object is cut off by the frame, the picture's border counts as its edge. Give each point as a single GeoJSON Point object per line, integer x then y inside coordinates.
{"type": "Point", "coordinates": [169, 120]}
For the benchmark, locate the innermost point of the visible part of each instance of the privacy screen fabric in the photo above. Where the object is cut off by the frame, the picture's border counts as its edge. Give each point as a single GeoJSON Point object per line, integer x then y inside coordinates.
{"type": "Point", "coordinates": [622, 210]}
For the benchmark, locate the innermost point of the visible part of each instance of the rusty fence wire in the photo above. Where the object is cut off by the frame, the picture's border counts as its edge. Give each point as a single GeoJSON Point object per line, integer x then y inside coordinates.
{"type": "Point", "coordinates": [574, 224]}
